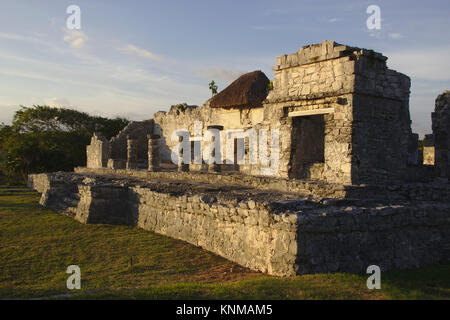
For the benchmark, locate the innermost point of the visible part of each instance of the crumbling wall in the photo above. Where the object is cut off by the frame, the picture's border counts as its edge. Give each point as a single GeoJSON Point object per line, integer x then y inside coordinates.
{"type": "Point", "coordinates": [441, 135]}
{"type": "Point", "coordinates": [267, 231]}
{"type": "Point", "coordinates": [135, 130]}
{"type": "Point", "coordinates": [98, 152]}
{"type": "Point", "coordinates": [183, 117]}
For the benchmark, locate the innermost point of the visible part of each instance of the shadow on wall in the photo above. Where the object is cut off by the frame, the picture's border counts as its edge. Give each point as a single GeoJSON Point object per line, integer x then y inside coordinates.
{"type": "Point", "coordinates": [164, 150]}
{"type": "Point", "coordinates": [90, 203]}
{"type": "Point", "coordinates": [117, 206]}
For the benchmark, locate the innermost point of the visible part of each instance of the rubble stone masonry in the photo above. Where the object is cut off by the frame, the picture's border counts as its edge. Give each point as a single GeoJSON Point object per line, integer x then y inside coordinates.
{"type": "Point", "coordinates": [275, 232]}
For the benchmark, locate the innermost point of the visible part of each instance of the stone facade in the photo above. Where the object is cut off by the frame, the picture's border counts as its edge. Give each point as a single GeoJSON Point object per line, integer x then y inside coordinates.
{"type": "Point", "coordinates": [341, 116]}
{"type": "Point", "coordinates": [364, 106]}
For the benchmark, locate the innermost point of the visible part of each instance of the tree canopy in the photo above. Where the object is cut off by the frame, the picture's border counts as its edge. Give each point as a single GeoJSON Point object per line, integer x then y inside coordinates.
{"type": "Point", "coordinates": [44, 118]}
{"type": "Point", "coordinates": [44, 139]}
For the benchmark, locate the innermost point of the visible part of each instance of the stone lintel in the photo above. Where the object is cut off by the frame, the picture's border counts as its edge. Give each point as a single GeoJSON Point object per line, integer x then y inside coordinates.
{"type": "Point", "coordinates": [310, 112]}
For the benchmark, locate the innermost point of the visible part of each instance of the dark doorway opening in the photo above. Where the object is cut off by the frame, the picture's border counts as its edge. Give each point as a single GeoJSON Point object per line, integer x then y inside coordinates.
{"type": "Point", "coordinates": [308, 144]}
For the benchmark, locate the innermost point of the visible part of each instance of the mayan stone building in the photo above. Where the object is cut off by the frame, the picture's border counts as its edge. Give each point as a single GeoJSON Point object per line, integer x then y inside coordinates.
{"type": "Point", "coordinates": [350, 106]}
{"type": "Point", "coordinates": [315, 171]}
{"type": "Point", "coordinates": [342, 116]}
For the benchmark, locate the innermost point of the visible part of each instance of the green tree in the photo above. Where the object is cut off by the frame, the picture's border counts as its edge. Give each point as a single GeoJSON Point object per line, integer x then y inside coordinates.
{"type": "Point", "coordinates": [43, 139]}
{"type": "Point", "coordinates": [213, 87]}
{"type": "Point", "coordinates": [44, 118]}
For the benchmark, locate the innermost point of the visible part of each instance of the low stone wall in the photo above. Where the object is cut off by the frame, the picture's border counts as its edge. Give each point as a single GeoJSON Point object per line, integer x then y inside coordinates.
{"type": "Point", "coordinates": [264, 230]}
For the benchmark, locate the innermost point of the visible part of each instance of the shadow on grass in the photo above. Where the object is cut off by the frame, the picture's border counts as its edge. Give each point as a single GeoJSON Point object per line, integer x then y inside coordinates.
{"type": "Point", "coordinates": [429, 282]}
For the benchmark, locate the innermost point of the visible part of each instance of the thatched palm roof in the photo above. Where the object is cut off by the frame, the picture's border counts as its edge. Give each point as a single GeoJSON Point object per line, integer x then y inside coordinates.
{"type": "Point", "coordinates": [249, 90]}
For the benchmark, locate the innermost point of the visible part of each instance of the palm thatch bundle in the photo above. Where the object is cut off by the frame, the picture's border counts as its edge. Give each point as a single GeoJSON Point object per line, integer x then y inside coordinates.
{"type": "Point", "coordinates": [247, 91]}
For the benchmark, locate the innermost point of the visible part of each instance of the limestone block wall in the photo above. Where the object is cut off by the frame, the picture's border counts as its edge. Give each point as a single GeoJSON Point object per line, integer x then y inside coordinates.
{"type": "Point", "coordinates": [391, 237]}
{"type": "Point", "coordinates": [98, 152]}
{"type": "Point", "coordinates": [268, 232]}
{"type": "Point", "coordinates": [441, 134]}
{"type": "Point", "coordinates": [381, 123]}
{"type": "Point", "coordinates": [177, 119]}
{"type": "Point", "coordinates": [314, 71]}
{"type": "Point", "coordinates": [135, 130]}
{"type": "Point", "coordinates": [364, 105]}
{"type": "Point", "coordinates": [380, 142]}
{"type": "Point", "coordinates": [336, 135]}
{"type": "Point", "coordinates": [318, 79]}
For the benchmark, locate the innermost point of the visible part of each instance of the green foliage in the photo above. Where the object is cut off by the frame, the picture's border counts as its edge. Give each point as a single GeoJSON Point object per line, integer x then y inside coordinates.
{"type": "Point", "coordinates": [43, 139]}
{"type": "Point", "coordinates": [181, 107]}
{"type": "Point", "coordinates": [44, 118]}
{"type": "Point", "coordinates": [34, 152]}
{"type": "Point", "coordinates": [270, 85]}
{"type": "Point", "coordinates": [442, 95]}
{"type": "Point", "coordinates": [213, 87]}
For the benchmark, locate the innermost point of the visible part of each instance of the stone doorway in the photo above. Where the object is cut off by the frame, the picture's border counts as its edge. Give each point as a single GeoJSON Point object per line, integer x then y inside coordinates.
{"type": "Point", "coordinates": [308, 146]}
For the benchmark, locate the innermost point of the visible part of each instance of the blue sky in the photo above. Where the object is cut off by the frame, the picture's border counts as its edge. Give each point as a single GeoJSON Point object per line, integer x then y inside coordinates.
{"type": "Point", "coordinates": [133, 58]}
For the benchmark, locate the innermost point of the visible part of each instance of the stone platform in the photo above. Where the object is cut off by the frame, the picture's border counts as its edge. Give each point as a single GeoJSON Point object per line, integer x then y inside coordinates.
{"type": "Point", "coordinates": [282, 227]}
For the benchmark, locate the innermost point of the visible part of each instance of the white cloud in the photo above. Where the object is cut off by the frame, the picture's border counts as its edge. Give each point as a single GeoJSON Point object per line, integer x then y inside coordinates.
{"type": "Point", "coordinates": [374, 33]}
{"type": "Point", "coordinates": [395, 35]}
{"type": "Point", "coordinates": [75, 38]}
{"type": "Point", "coordinates": [19, 37]}
{"type": "Point", "coordinates": [430, 63]}
{"type": "Point", "coordinates": [218, 73]}
{"type": "Point", "coordinates": [140, 52]}
{"type": "Point", "coordinates": [334, 20]}
{"type": "Point", "coordinates": [56, 102]}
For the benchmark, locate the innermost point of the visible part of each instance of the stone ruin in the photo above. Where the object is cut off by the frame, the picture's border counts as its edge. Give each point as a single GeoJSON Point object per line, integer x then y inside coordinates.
{"type": "Point", "coordinates": [436, 146]}
{"type": "Point", "coordinates": [349, 189]}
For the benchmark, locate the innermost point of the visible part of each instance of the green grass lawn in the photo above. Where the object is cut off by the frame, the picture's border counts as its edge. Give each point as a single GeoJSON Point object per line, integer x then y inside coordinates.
{"type": "Point", "coordinates": [37, 245]}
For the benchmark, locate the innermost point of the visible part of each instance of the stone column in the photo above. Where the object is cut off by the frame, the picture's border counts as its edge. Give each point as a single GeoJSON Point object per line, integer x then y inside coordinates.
{"type": "Point", "coordinates": [132, 153]}
{"type": "Point", "coordinates": [182, 167]}
{"type": "Point", "coordinates": [213, 167]}
{"type": "Point", "coordinates": [153, 153]}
